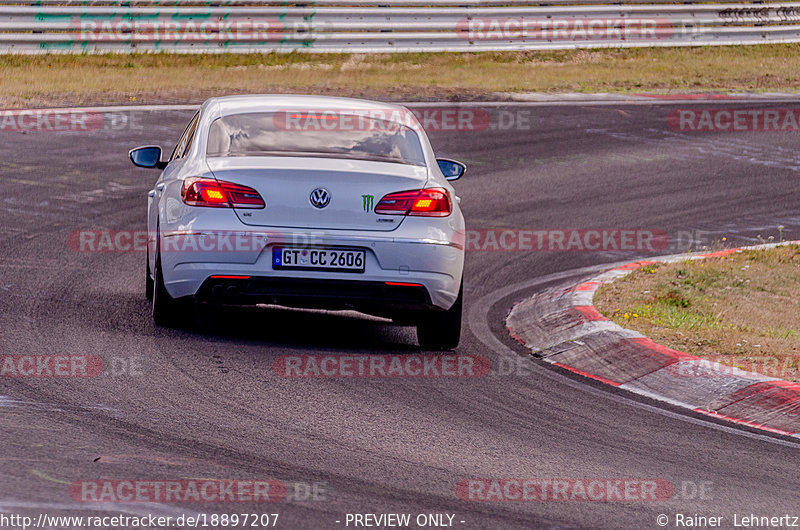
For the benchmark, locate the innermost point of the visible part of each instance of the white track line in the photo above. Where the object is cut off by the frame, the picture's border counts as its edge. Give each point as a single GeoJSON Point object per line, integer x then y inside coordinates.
{"type": "Point", "coordinates": [556, 101]}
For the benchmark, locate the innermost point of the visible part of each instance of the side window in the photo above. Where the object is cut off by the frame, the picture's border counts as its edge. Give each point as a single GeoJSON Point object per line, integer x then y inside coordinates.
{"type": "Point", "coordinates": [190, 139]}
{"type": "Point", "coordinates": [180, 148]}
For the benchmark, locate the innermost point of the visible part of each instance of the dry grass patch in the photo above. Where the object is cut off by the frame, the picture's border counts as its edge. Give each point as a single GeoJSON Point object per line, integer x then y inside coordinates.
{"type": "Point", "coordinates": [90, 79]}
{"type": "Point", "coordinates": [742, 309]}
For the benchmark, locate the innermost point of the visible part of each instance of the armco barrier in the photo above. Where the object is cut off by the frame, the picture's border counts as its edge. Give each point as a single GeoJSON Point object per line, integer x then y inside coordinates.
{"type": "Point", "coordinates": [211, 26]}
{"type": "Point", "coordinates": [563, 328]}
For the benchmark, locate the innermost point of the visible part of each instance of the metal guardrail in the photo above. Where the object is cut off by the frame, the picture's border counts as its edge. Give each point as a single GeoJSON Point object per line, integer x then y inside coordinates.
{"type": "Point", "coordinates": [215, 26]}
{"type": "Point", "coordinates": [361, 3]}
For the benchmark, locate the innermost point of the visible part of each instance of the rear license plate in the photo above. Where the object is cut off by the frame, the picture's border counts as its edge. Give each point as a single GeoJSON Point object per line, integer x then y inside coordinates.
{"type": "Point", "coordinates": [323, 259]}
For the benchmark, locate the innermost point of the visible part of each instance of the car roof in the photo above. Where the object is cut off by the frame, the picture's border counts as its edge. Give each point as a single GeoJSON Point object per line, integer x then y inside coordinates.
{"type": "Point", "coordinates": [275, 102]}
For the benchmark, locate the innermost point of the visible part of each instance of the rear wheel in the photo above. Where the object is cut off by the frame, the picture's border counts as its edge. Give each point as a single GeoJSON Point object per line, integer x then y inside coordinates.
{"type": "Point", "coordinates": [167, 311]}
{"type": "Point", "coordinates": [148, 288]}
{"type": "Point", "coordinates": [441, 330]}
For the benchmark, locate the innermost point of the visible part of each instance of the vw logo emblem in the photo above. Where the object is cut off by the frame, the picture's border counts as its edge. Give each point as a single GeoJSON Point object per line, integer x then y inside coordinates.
{"type": "Point", "coordinates": [320, 198]}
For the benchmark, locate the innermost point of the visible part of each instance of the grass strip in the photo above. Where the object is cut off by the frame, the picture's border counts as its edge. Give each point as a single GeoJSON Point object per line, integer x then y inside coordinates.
{"type": "Point", "coordinates": [52, 80]}
{"type": "Point", "coordinates": [741, 309]}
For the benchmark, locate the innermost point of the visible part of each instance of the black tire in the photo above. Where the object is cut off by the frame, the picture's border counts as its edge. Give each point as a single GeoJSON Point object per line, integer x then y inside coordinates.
{"type": "Point", "coordinates": [167, 312]}
{"type": "Point", "coordinates": [441, 330]}
{"type": "Point", "coordinates": [148, 288]}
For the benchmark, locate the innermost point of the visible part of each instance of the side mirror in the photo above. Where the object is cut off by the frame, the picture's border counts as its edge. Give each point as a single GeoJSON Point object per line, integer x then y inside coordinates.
{"type": "Point", "coordinates": [147, 157]}
{"type": "Point", "coordinates": [451, 169]}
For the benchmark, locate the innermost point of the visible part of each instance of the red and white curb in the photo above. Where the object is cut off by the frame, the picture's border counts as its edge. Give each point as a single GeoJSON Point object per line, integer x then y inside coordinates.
{"type": "Point", "coordinates": [563, 327]}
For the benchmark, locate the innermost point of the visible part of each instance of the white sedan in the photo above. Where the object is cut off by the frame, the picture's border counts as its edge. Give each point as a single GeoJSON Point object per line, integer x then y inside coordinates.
{"type": "Point", "coordinates": [305, 201]}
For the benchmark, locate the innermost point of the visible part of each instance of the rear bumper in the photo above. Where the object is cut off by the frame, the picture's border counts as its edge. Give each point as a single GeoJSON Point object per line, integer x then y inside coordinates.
{"type": "Point", "coordinates": [370, 297]}
{"type": "Point", "coordinates": [436, 264]}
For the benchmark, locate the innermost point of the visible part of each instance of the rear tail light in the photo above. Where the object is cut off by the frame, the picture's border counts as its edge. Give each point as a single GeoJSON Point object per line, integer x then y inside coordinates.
{"type": "Point", "coordinates": [219, 194]}
{"type": "Point", "coordinates": [433, 202]}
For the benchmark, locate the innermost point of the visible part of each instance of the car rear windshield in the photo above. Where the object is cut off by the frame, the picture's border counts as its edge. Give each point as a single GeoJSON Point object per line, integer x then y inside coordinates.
{"type": "Point", "coordinates": [314, 133]}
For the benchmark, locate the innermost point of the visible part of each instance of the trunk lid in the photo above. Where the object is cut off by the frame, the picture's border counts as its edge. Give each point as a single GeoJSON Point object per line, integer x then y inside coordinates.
{"type": "Point", "coordinates": [287, 183]}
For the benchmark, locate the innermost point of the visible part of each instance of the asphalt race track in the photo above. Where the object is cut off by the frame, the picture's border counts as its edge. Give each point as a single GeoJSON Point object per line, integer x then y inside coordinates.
{"type": "Point", "coordinates": [205, 402]}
